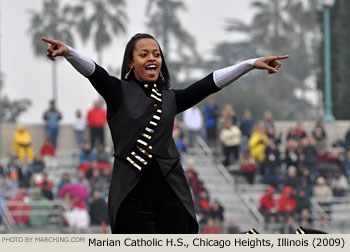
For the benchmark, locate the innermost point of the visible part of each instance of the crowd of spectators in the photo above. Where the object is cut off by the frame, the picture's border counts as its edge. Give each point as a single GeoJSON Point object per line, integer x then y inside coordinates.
{"type": "Point", "coordinates": [29, 186]}
{"type": "Point", "coordinates": [297, 167]}
{"type": "Point", "coordinates": [210, 213]}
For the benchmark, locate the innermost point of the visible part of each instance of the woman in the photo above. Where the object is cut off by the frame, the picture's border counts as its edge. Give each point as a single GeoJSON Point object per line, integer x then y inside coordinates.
{"type": "Point", "coordinates": [149, 192]}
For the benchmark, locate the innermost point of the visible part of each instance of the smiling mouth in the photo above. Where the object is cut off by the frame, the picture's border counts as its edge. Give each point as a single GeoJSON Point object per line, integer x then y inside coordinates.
{"type": "Point", "coordinates": [151, 69]}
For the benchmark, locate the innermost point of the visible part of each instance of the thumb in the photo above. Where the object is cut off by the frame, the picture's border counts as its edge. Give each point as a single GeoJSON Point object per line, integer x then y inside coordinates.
{"type": "Point", "coordinates": [270, 69]}
{"type": "Point", "coordinates": [58, 52]}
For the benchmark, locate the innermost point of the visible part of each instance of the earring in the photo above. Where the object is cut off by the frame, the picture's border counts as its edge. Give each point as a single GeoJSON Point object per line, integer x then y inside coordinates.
{"type": "Point", "coordinates": [128, 73]}
{"type": "Point", "coordinates": [161, 77]}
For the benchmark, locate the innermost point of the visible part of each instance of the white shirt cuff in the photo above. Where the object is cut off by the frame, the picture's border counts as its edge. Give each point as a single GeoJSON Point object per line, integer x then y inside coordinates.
{"type": "Point", "coordinates": [83, 64]}
{"type": "Point", "coordinates": [226, 76]}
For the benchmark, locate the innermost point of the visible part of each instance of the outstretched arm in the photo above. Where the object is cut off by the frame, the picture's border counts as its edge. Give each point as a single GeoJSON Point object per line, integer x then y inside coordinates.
{"type": "Point", "coordinates": [104, 84]}
{"type": "Point", "coordinates": [226, 76]}
{"type": "Point", "coordinates": [186, 98]}
{"type": "Point", "coordinates": [83, 64]}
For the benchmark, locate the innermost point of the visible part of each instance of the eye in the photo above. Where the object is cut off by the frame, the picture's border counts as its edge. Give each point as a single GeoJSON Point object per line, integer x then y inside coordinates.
{"type": "Point", "coordinates": [157, 55]}
{"type": "Point", "coordinates": [143, 55]}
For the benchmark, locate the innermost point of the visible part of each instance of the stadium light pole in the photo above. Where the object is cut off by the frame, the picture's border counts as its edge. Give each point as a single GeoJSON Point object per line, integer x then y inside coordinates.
{"type": "Point", "coordinates": [327, 4]}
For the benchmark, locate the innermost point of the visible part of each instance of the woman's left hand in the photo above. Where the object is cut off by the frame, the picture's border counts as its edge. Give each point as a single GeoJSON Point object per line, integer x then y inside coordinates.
{"type": "Point", "coordinates": [270, 63]}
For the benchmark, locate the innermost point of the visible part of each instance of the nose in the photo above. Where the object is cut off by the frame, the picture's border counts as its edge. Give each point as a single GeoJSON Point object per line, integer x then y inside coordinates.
{"type": "Point", "coordinates": [151, 57]}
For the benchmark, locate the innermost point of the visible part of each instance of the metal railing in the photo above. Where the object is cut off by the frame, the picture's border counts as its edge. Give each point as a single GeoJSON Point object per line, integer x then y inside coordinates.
{"type": "Point", "coordinates": [253, 215]}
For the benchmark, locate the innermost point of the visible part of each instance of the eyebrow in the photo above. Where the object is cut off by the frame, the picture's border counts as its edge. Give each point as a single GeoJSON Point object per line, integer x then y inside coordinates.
{"type": "Point", "coordinates": [147, 50]}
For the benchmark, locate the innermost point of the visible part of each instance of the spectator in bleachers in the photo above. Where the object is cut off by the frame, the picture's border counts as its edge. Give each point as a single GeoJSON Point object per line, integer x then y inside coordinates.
{"type": "Point", "coordinates": [180, 145]}
{"type": "Point", "coordinates": [272, 135]}
{"type": "Point", "coordinates": [248, 167]}
{"type": "Point", "coordinates": [323, 194]}
{"type": "Point", "coordinates": [292, 155]}
{"type": "Point", "coordinates": [46, 191]}
{"type": "Point", "coordinates": [272, 165]}
{"type": "Point", "coordinates": [102, 156]}
{"type": "Point", "coordinates": [106, 175]}
{"type": "Point", "coordinates": [286, 202]}
{"type": "Point", "coordinates": [268, 207]}
{"type": "Point", "coordinates": [13, 170]}
{"type": "Point", "coordinates": [98, 209]}
{"type": "Point", "coordinates": [94, 166]}
{"type": "Point", "coordinates": [24, 174]}
{"type": "Point", "coordinates": [228, 113]}
{"type": "Point", "coordinates": [211, 114]}
{"type": "Point", "coordinates": [192, 177]}
{"type": "Point", "coordinates": [211, 228]}
{"type": "Point", "coordinates": [96, 119]}
{"type": "Point", "coordinates": [37, 166]}
{"type": "Point", "coordinates": [291, 179]}
{"type": "Point", "coordinates": [82, 180]}
{"type": "Point", "coordinates": [8, 187]}
{"type": "Point", "coordinates": [217, 213]}
{"type": "Point", "coordinates": [78, 215]}
{"type": "Point", "coordinates": [302, 202]}
{"type": "Point", "coordinates": [86, 156]}
{"type": "Point", "coordinates": [268, 121]}
{"type": "Point", "coordinates": [45, 179]}
{"type": "Point", "coordinates": [40, 210]}
{"type": "Point", "coordinates": [319, 134]}
{"type": "Point", "coordinates": [22, 143]}
{"type": "Point", "coordinates": [233, 228]}
{"type": "Point", "coordinates": [48, 153]}
{"type": "Point", "coordinates": [246, 127]}
{"type": "Point", "coordinates": [204, 206]}
{"type": "Point", "coordinates": [310, 156]}
{"type": "Point", "coordinates": [64, 180]}
{"type": "Point", "coordinates": [79, 126]}
{"type": "Point", "coordinates": [19, 208]}
{"type": "Point", "coordinates": [193, 121]}
{"type": "Point", "coordinates": [52, 117]}
{"type": "Point", "coordinates": [257, 144]}
{"type": "Point", "coordinates": [305, 183]}
{"type": "Point", "coordinates": [230, 137]}
{"type": "Point", "coordinates": [297, 133]}
{"type": "Point", "coordinates": [96, 181]}
{"type": "Point", "coordinates": [330, 162]}
{"type": "Point", "coordinates": [339, 184]}
{"type": "Point", "coordinates": [305, 218]}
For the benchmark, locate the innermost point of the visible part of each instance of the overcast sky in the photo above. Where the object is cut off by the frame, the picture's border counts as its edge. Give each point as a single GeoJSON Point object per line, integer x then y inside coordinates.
{"type": "Point", "coordinates": [27, 76]}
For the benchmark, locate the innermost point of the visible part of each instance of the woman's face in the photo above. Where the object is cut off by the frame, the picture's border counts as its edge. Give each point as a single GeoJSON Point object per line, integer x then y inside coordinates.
{"type": "Point", "coordinates": [147, 60]}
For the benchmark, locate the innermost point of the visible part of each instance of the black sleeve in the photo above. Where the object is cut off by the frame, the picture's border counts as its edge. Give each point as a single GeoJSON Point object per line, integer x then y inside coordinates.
{"type": "Point", "coordinates": [108, 87]}
{"type": "Point", "coordinates": [190, 96]}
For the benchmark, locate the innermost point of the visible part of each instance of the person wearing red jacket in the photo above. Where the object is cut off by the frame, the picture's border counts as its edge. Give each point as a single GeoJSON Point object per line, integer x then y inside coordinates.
{"type": "Point", "coordinates": [48, 153]}
{"type": "Point", "coordinates": [96, 120]}
{"type": "Point", "coordinates": [268, 206]}
{"type": "Point", "coordinates": [286, 202]}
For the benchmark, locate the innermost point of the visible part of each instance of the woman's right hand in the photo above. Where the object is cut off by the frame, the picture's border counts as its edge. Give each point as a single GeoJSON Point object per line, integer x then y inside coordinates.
{"type": "Point", "coordinates": [56, 48]}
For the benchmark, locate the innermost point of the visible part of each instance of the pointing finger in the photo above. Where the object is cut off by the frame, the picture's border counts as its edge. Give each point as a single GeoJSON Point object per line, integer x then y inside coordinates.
{"type": "Point", "coordinates": [52, 42]}
{"type": "Point", "coordinates": [281, 57]}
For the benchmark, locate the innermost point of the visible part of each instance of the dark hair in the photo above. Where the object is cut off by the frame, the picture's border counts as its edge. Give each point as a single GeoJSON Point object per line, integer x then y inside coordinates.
{"type": "Point", "coordinates": [128, 56]}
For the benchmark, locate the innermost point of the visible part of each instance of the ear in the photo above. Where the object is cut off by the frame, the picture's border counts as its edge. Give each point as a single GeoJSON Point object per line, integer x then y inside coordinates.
{"type": "Point", "coordinates": [131, 65]}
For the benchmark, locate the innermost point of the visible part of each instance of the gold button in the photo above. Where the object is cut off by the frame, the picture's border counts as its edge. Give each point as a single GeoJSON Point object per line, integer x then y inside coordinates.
{"type": "Point", "coordinates": [150, 147]}
{"type": "Point", "coordinates": [155, 106]}
{"type": "Point", "coordinates": [146, 86]}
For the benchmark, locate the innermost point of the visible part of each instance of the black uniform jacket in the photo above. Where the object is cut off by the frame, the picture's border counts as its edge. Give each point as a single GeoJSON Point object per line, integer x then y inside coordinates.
{"type": "Point", "coordinates": [129, 110]}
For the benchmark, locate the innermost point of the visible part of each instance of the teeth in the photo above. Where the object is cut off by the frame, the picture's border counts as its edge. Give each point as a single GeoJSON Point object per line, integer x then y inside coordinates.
{"type": "Point", "coordinates": [151, 67]}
